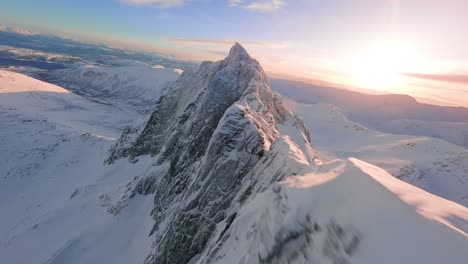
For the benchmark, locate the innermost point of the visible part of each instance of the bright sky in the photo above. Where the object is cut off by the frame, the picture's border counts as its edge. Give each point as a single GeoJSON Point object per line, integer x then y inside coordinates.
{"type": "Point", "coordinates": [417, 47]}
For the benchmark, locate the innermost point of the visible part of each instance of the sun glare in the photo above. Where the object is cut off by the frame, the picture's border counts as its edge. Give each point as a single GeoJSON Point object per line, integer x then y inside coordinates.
{"type": "Point", "coordinates": [379, 67]}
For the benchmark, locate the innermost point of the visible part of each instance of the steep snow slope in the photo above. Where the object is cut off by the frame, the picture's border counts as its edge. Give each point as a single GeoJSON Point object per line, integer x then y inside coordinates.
{"type": "Point", "coordinates": [134, 86]}
{"type": "Point", "coordinates": [432, 164]}
{"type": "Point", "coordinates": [345, 211]}
{"type": "Point", "coordinates": [21, 94]}
{"type": "Point", "coordinates": [56, 196]}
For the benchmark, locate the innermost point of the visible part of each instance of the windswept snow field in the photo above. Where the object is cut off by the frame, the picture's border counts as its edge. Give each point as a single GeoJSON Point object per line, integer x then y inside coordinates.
{"type": "Point", "coordinates": [431, 164]}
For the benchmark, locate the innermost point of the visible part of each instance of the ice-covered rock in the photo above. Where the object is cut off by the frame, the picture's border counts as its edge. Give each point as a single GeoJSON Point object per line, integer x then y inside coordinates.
{"type": "Point", "coordinates": [215, 128]}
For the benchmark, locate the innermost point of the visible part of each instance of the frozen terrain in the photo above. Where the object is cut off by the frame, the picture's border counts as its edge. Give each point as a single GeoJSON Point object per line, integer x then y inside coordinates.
{"type": "Point", "coordinates": [434, 165]}
{"type": "Point", "coordinates": [390, 113]}
{"type": "Point", "coordinates": [345, 211]}
{"type": "Point", "coordinates": [222, 171]}
{"type": "Point", "coordinates": [55, 193]}
{"type": "Point", "coordinates": [131, 86]}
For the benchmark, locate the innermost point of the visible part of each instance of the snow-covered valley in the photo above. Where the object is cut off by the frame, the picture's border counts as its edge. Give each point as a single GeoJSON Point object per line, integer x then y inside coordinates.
{"type": "Point", "coordinates": [133, 87]}
{"type": "Point", "coordinates": [221, 172]}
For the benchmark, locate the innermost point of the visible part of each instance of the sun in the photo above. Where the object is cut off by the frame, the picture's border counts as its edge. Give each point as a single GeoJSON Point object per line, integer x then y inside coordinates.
{"type": "Point", "coordinates": [381, 65]}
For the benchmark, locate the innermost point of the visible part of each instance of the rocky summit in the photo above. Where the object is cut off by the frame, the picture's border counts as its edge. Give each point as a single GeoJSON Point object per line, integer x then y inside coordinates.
{"type": "Point", "coordinates": [213, 130]}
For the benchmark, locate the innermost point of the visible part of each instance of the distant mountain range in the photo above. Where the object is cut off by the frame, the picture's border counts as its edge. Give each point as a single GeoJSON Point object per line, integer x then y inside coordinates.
{"type": "Point", "coordinates": [17, 30]}
{"type": "Point", "coordinates": [392, 113]}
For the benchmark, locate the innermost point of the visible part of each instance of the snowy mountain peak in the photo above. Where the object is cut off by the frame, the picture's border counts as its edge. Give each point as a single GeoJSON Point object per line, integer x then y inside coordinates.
{"type": "Point", "coordinates": [243, 64]}
{"type": "Point", "coordinates": [238, 51]}
{"type": "Point", "coordinates": [211, 135]}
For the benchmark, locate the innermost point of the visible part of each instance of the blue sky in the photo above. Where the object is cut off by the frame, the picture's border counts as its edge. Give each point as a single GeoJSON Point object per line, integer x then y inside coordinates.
{"type": "Point", "coordinates": [146, 22]}
{"type": "Point", "coordinates": [327, 25]}
{"type": "Point", "coordinates": [318, 39]}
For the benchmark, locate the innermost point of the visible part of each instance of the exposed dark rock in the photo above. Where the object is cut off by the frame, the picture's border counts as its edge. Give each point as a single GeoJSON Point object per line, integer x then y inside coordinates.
{"type": "Point", "coordinates": [214, 127]}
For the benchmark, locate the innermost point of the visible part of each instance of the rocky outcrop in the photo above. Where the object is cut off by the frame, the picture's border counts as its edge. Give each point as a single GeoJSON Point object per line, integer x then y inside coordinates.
{"type": "Point", "coordinates": [217, 135]}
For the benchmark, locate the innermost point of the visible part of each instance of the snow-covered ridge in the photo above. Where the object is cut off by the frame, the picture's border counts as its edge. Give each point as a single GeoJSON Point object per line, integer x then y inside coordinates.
{"type": "Point", "coordinates": [426, 204]}
{"type": "Point", "coordinates": [23, 94]}
{"type": "Point", "coordinates": [18, 83]}
{"type": "Point", "coordinates": [214, 127]}
{"type": "Point", "coordinates": [390, 113]}
{"type": "Point", "coordinates": [431, 164]}
{"type": "Point", "coordinates": [345, 211]}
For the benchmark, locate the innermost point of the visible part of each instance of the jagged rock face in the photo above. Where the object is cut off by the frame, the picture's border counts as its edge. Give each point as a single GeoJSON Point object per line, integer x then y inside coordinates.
{"type": "Point", "coordinates": [193, 106]}
{"type": "Point", "coordinates": [211, 132]}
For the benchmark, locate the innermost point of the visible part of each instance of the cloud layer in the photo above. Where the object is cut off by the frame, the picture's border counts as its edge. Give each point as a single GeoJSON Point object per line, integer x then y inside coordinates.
{"type": "Point", "coordinates": [261, 6]}
{"type": "Point", "coordinates": [453, 78]}
{"type": "Point", "coordinates": [253, 5]}
{"type": "Point", "coordinates": [228, 42]}
{"type": "Point", "coordinates": [158, 3]}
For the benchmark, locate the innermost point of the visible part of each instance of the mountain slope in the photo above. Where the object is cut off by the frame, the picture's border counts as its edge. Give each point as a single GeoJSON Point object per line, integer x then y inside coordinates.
{"type": "Point", "coordinates": [21, 94]}
{"type": "Point", "coordinates": [346, 211]}
{"type": "Point", "coordinates": [58, 200]}
{"type": "Point", "coordinates": [211, 129]}
{"type": "Point", "coordinates": [132, 87]}
{"type": "Point", "coordinates": [431, 164]}
{"type": "Point", "coordinates": [390, 113]}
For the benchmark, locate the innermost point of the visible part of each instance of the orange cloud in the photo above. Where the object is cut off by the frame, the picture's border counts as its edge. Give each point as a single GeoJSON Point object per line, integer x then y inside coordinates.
{"type": "Point", "coordinates": [453, 78]}
{"type": "Point", "coordinates": [261, 6]}
{"type": "Point", "coordinates": [227, 42]}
